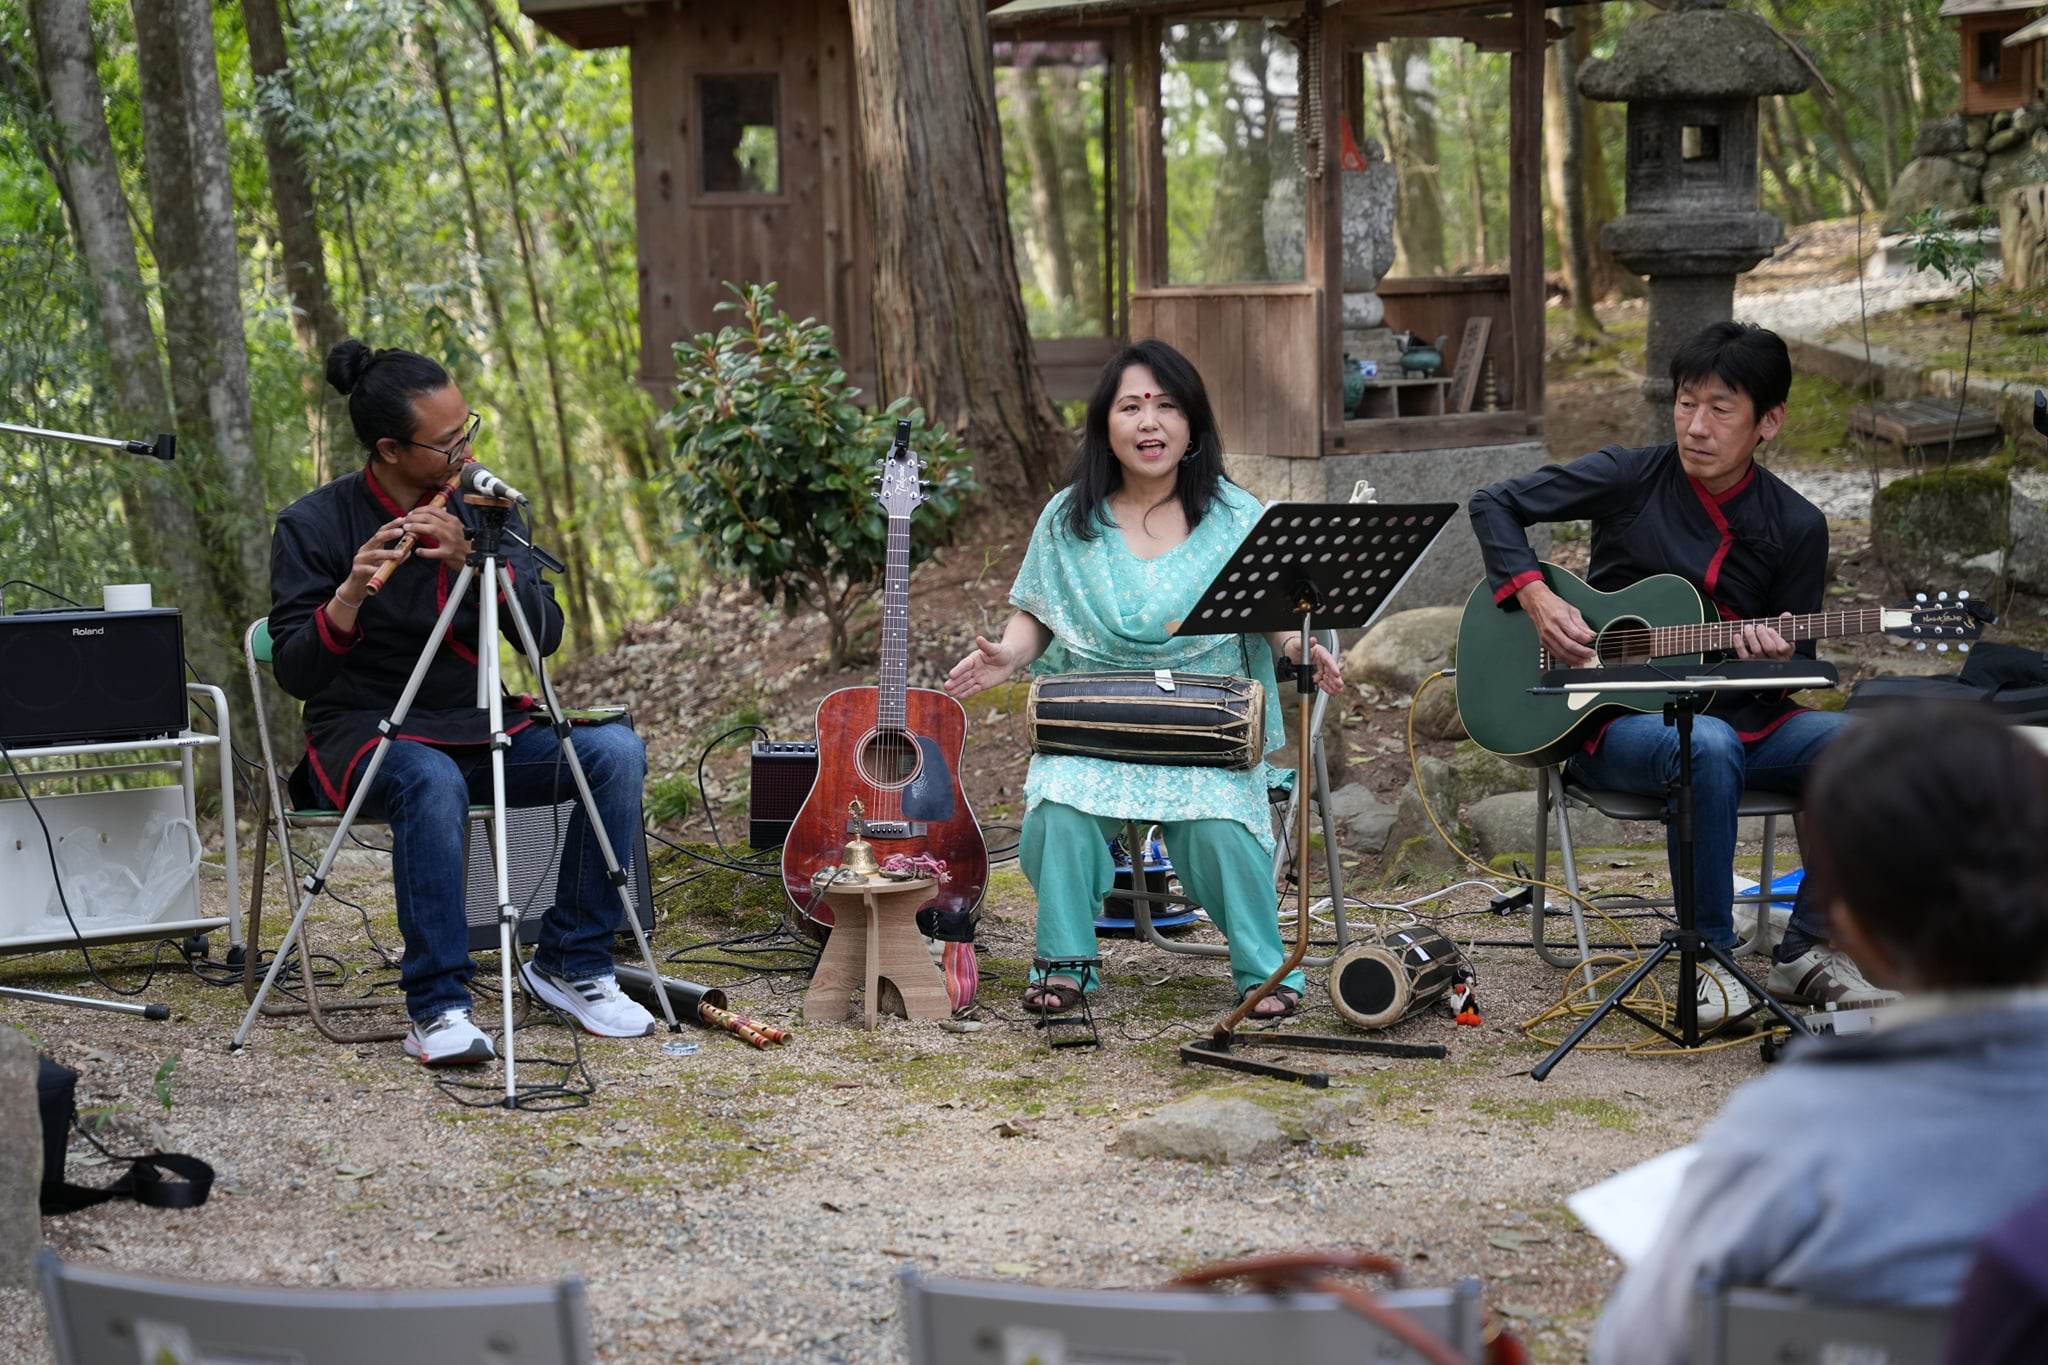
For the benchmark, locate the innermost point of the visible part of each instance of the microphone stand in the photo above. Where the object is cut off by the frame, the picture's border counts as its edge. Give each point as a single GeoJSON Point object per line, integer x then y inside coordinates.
{"type": "Point", "coordinates": [164, 447]}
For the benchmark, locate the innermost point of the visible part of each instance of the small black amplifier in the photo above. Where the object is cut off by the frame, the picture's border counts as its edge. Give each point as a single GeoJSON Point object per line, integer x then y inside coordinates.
{"type": "Point", "coordinates": [783, 773]}
{"type": "Point", "coordinates": [88, 677]}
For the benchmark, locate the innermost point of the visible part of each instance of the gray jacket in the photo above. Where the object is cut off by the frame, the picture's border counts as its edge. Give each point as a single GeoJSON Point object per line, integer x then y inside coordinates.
{"type": "Point", "coordinates": [1862, 1168]}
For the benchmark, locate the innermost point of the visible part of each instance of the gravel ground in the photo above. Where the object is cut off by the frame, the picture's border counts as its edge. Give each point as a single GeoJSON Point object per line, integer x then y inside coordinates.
{"type": "Point", "coordinates": [1814, 311]}
{"type": "Point", "coordinates": [735, 1205]}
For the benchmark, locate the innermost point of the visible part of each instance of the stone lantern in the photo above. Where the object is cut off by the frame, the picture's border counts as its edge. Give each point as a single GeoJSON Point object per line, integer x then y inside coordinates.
{"type": "Point", "coordinates": [1691, 77]}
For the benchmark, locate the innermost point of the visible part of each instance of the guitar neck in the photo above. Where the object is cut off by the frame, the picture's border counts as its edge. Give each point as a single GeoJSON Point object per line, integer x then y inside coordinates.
{"type": "Point", "coordinates": [889, 704]}
{"type": "Point", "coordinates": [1719, 635]}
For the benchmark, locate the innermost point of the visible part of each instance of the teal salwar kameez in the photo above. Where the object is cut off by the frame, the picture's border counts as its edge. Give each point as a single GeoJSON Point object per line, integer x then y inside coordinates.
{"type": "Point", "coordinates": [1108, 609]}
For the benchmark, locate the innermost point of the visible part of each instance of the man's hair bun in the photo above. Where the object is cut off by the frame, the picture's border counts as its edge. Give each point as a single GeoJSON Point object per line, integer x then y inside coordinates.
{"type": "Point", "coordinates": [346, 363]}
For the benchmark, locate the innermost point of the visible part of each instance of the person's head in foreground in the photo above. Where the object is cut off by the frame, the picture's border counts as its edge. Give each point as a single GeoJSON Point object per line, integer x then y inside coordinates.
{"type": "Point", "coordinates": [1928, 832]}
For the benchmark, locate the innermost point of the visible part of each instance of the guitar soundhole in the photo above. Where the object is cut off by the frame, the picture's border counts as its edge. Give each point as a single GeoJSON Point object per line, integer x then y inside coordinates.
{"type": "Point", "coordinates": [1623, 641]}
{"type": "Point", "coordinates": [889, 759]}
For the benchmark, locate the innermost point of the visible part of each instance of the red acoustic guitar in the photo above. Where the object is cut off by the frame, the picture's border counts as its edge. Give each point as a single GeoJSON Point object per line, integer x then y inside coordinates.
{"type": "Point", "coordinates": [895, 749]}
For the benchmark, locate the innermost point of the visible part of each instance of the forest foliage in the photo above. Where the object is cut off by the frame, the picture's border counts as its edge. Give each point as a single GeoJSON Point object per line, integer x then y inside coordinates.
{"type": "Point", "coordinates": [472, 185]}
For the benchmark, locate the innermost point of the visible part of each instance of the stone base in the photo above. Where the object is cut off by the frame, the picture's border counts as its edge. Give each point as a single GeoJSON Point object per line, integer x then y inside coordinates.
{"type": "Point", "coordinates": [1374, 343]}
{"type": "Point", "coordinates": [1452, 567]}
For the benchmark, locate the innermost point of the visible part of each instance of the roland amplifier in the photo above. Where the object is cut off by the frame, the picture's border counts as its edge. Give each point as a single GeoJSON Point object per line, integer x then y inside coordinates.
{"type": "Point", "coordinates": [84, 677]}
{"type": "Point", "coordinates": [783, 773]}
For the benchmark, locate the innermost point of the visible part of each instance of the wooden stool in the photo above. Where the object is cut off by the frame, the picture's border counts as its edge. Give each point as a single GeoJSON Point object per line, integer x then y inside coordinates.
{"type": "Point", "coordinates": [874, 938]}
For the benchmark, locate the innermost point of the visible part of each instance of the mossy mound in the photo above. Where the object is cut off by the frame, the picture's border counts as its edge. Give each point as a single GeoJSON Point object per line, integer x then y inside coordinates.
{"type": "Point", "coordinates": [1927, 525]}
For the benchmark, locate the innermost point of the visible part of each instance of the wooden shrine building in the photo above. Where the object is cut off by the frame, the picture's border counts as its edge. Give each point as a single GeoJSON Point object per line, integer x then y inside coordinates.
{"type": "Point", "coordinates": [2003, 50]}
{"type": "Point", "coordinates": [747, 167]}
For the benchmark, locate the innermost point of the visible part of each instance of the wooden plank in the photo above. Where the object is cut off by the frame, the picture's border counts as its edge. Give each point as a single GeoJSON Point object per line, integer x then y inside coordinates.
{"type": "Point", "coordinates": [1307, 390]}
{"type": "Point", "coordinates": [1149, 182]}
{"type": "Point", "coordinates": [1209, 291]}
{"type": "Point", "coordinates": [1383, 434]}
{"type": "Point", "coordinates": [1395, 286]}
{"type": "Point", "coordinates": [1223, 366]}
{"type": "Point", "coordinates": [1525, 207]}
{"type": "Point", "coordinates": [1470, 363]}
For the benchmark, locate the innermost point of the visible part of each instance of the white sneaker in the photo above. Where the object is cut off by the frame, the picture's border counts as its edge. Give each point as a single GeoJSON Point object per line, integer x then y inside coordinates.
{"type": "Point", "coordinates": [597, 1004]}
{"type": "Point", "coordinates": [1721, 997]}
{"type": "Point", "coordinates": [1822, 976]}
{"type": "Point", "coordinates": [449, 1039]}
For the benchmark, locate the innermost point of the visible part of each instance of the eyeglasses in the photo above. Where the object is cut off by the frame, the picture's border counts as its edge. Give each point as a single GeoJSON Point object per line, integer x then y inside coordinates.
{"type": "Point", "coordinates": [460, 448]}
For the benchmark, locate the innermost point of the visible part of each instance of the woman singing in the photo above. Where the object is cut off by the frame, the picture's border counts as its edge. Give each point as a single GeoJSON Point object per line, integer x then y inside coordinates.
{"type": "Point", "coordinates": [1144, 523]}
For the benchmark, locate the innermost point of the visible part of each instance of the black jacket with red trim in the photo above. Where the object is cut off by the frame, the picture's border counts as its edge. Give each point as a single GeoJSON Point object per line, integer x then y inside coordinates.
{"type": "Point", "coordinates": [351, 681]}
{"type": "Point", "coordinates": [1756, 549]}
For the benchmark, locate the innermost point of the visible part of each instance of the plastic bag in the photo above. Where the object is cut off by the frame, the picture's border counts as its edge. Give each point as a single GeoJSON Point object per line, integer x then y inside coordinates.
{"type": "Point", "coordinates": [104, 891]}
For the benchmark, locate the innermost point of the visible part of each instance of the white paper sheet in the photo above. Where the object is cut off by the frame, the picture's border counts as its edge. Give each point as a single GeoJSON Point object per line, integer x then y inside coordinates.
{"type": "Point", "coordinates": [1628, 1209]}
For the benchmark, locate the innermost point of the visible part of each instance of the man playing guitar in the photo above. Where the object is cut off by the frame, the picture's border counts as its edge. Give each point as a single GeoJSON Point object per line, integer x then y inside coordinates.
{"type": "Point", "coordinates": [1702, 508]}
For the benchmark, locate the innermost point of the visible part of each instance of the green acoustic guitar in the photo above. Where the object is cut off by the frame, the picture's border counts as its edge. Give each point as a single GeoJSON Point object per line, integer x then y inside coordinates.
{"type": "Point", "coordinates": [1661, 620]}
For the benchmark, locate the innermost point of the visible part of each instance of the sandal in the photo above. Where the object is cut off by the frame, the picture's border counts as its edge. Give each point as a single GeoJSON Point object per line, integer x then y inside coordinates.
{"type": "Point", "coordinates": [1289, 998]}
{"type": "Point", "coordinates": [1051, 997]}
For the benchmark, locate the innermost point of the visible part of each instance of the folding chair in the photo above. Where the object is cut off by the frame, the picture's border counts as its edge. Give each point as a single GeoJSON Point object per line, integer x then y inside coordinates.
{"type": "Point", "coordinates": [1556, 793]}
{"type": "Point", "coordinates": [256, 650]}
{"type": "Point", "coordinates": [98, 1316]}
{"type": "Point", "coordinates": [1742, 1326]}
{"type": "Point", "coordinates": [979, 1322]}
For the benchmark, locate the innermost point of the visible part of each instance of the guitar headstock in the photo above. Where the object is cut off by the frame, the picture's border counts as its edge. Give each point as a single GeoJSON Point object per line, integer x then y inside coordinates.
{"type": "Point", "coordinates": [1943, 620]}
{"type": "Point", "coordinates": [901, 485]}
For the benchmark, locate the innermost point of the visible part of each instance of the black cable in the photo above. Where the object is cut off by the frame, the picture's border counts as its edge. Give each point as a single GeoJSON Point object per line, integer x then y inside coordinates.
{"type": "Point", "coordinates": [31, 583]}
{"type": "Point", "coordinates": [703, 793]}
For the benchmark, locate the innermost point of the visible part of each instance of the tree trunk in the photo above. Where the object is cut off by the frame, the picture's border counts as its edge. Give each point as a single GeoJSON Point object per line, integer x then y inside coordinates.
{"type": "Point", "coordinates": [1054, 260]}
{"type": "Point", "coordinates": [505, 343]}
{"type": "Point", "coordinates": [949, 320]}
{"type": "Point", "coordinates": [1916, 85]}
{"type": "Point", "coordinates": [186, 153]}
{"type": "Point", "coordinates": [1475, 171]}
{"type": "Point", "coordinates": [1407, 106]}
{"type": "Point", "coordinates": [581, 566]}
{"type": "Point", "coordinates": [1564, 173]}
{"type": "Point", "coordinates": [1804, 159]}
{"type": "Point", "coordinates": [315, 322]}
{"type": "Point", "coordinates": [1236, 246]}
{"type": "Point", "coordinates": [1837, 130]}
{"type": "Point", "coordinates": [162, 530]}
{"type": "Point", "coordinates": [1798, 206]}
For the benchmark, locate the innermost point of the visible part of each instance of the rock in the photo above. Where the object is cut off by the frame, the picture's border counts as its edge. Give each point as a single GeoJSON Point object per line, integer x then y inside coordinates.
{"type": "Point", "coordinates": [1941, 137]}
{"type": "Point", "coordinates": [1436, 713]}
{"type": "Point", "coordinates": [2001, 140]}
{"type": "Point", "coordinates": [1205, 1128]}
{"type": "Point", "coordinates": [1404, 648]}
{"type": "Point", "coordinates": [2030, 117]}
{"type": "Point", "coordinates": [1930, 182]}
{"type": "Point", "coordinates": [1481, 774]}
{"type": "Point", "coordinates": [2015, 167]}
{"type": "Point", "coordinates": [1975, 133]}
{"type": "Point", "coordinates": [2027, 526]}
{"type": "Point", "coordinates": [1413, 847]}
{"type": "Point", "coordinates": [1976, 161]}
{"type": "Point", "coordinates": [21, 1160]}
{"type": "Point", "coordinates": [1925, 525]}
{"type": "Point", "coordinates": [1507, 824]}
{"type": "Point", "coordinates": [1363, 818]}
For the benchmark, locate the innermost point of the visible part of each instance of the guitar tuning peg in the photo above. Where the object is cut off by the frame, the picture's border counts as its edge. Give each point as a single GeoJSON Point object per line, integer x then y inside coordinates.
{"type": "Point", "coordinates": [1962, 649]}
{"type": "Point", "coordinates": [1941, 648]}
{"type": "Point", "coordinates": [1919, 597]}
{"type": "Point", "coordinates": [1941, 597]}
{"type": "Point", "coordinates": [1920, 646]}
{"type": "Point", "coordinates": [1963, 596]}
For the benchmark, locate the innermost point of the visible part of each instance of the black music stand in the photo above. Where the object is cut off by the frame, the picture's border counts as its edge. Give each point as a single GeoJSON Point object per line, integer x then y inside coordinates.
{"type": "Point", "coordinates": [1685, 696]}
{"type": "Point", "coordinates": [1333, 565]}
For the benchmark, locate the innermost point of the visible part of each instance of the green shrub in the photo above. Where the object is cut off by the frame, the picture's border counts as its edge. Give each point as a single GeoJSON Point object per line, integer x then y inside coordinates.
{"type": "Point", "coordinates": [774, 458]}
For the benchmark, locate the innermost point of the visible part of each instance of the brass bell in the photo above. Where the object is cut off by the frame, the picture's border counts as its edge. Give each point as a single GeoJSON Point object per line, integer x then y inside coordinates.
{"type": "Point", "coordinates": [858, 856]}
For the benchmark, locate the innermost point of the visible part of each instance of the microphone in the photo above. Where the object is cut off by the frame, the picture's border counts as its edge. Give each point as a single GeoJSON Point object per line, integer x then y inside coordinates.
{"type": "Point", "coordinates": [477, 479]}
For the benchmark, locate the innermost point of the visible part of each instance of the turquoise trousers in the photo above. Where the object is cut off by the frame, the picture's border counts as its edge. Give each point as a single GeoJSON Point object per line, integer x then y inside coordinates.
{"type": "Point", "coordinates": [1065, 853]}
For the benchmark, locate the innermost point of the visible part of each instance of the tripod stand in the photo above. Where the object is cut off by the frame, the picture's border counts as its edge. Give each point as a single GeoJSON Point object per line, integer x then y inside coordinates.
{"type": "Point", "coordinates": [1685, 697]}
{"type": "Point", "coordinates": [494, 581]}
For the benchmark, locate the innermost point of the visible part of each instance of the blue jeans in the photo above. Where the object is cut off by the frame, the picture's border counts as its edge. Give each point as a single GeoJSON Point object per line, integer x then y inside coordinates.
{"type": "Point", "coordinates": [1639, 754]}
{"type": "Point", "coordinates": [425, 794]}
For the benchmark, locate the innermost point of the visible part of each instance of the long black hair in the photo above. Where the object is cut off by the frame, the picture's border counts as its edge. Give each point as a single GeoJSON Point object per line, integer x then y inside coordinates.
{"type": "Point", "coordinates": [380, 387]}
{"type": "Point", "coordinates": [1096, 474]}
{"type": "Point", "coordinates": [1931, 825]}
